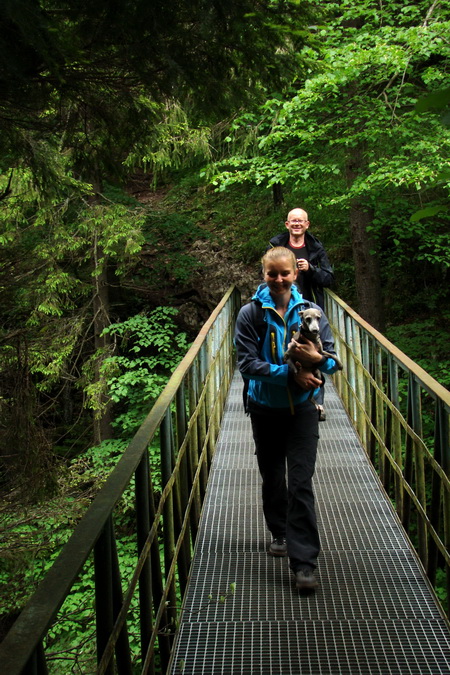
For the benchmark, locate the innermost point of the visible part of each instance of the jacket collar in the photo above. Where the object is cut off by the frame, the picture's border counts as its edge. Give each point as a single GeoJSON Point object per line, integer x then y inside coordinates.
{"type": "Point", "coordinates": [282, 239]}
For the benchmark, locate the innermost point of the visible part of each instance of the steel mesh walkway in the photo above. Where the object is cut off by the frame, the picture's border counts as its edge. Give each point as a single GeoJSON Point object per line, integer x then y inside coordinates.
{"type": "Point", "coordinates": [373, 612]}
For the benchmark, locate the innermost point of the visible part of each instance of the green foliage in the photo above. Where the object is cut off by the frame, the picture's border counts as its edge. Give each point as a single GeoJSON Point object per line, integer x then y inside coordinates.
{"type": "Point", "coordinates": [425, 341]}
{"type": "Point", "coordinates": [351, 134]}
{"type": "Point", "coordinates": [31, 541]}
{"type": "Point", "coordinates": [150, 347]}
{"type": "Point", "coordinates": [101, 76]}
{"type": "Point", "coordinates": [171, 144]}
{"type": "Point", "coordinates": [440, 589]}
{"type": "Point", "coordinates": [168, 240]}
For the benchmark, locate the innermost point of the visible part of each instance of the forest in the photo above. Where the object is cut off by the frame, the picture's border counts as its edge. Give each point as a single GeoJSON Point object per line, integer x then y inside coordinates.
{"type": "Point", "coordinates": [148, 152]}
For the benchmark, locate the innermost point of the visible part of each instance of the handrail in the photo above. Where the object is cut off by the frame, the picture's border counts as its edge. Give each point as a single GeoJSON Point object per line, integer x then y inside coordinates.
{"type": "Point", "coordinates": [188, 425]}
{"type": "Point", "coordinates": [391, 401]}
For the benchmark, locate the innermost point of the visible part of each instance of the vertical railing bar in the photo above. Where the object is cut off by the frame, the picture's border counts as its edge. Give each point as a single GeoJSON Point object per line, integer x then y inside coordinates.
{"type": "Point", "coordinates": [103, 592]}
{"type": "Point", "coordinates": [117, 641]}
{"type": "Point", "coordinates": [202, 426]}
{"type": "Point", "coordinates": [444, 442]}
{"type": "Point", "coordinates": [441, 437]}
{"type": "Point", "coordinates": [193, 452]}
{"type": "Point", "coordinates": [143, 525]}
{"type": "Point", "coordinates": [365, 350]}
{"type": "Point", "coordinates": [122, 647]}
{"type": "Point", "coordinates": [373, 442]}
{"type": "Point", "coordinates": [158, 586]}
{"type": "Point", "coordinates": [166, 447]}
{"type": "Point", "coordinates": [181, 425]}
{"type": "Point", "coordinates": [417, 459]}
{"type": "Point", "coordinates": [359, 384]}
{"type": "Point", "coordinates": [409, 452]}
{"type": "Point", "coordinates": [397, 452]}
{"type": "Point", "coordinates": [351, 367]}
{"type": "Point", "coordinates": [182, 560]}
{"type": "Point", "coordinates": [344, 357]}
{"type": "Point", "coordinates": [380, 406]}
{"type": "Point", "coordinates": [37, 665]}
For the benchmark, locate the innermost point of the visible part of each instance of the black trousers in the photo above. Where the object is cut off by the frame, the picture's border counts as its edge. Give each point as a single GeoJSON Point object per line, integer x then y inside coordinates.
{"type": "Point", "coordinates": [281, 440]}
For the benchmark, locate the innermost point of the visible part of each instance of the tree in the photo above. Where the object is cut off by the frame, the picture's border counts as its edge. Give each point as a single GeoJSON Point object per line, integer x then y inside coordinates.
{"type": "Point", "coordinates": [81, 83]}
{"type": "Point", "coordinates": [349, 143]}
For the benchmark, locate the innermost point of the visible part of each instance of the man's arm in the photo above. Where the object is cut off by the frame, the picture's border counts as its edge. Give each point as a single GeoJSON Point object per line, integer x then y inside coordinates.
{"type": "Point", "coordinates": [322, 272]}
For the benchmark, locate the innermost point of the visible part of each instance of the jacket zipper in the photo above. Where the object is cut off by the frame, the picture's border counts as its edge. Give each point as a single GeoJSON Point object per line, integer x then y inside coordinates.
{"type": "Point", "coordinates": [273, 346]}
{"type": "Point", "coordinates": [273, 351]}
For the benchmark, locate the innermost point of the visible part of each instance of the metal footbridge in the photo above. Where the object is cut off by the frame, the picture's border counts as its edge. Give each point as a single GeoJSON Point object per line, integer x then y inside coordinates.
{"type": "Point", "coordinates": [373, 612]}
{"type": "Point", "coordinates": [204, 598]}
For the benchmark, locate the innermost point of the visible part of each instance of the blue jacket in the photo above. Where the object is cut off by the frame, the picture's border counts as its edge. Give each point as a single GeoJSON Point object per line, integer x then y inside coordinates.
{"type": "Point", "coordinates": [271, 383]}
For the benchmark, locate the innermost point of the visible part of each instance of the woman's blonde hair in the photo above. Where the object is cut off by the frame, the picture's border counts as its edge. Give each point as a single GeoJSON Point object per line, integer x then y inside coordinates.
{"type": "Point", "coordinates": [279, 252]}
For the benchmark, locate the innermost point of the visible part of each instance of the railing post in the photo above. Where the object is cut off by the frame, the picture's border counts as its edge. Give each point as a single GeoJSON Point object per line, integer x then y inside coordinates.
{"type": "Point", "coordinates": [351, 377]}
{"type": "Point", "coordinates": [181, 426]}
{"type": "Point", "coordinates": [414, 466]}
{"type": "Point", "coordinates": [103, 591]}
{"type": "Point", "coordinates": [166, 444]}
{"type": "Point", "coordinates": [143, 496]}
{"type": "Point", "coordinates": [37, 664]}
{"type": "Point", "coordinates": [439, 501]}
{"type": "Point", "coordinates": [394, 442]}
{"type": "Point", "coordinates": [359, 385]}
{"type": "Point", "coordinates": [193, 450]}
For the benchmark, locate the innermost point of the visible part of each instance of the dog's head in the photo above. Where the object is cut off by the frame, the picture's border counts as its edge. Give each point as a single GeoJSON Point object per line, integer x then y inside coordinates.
{"type": "Point", "coordinates": [310, 320]}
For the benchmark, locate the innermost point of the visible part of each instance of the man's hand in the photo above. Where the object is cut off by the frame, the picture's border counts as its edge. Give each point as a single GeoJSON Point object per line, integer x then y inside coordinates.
{"type": "Point", "coordinates": [306, 380]}
{"type": "Point", "coordinates": [302, 265]}
{"type": "Point", "coordinates": [305, 352]}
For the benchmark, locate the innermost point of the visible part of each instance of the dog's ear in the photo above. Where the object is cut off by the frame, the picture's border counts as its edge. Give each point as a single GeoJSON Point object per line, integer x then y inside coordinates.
{"type": "Point", "coordinates": [301, 312]}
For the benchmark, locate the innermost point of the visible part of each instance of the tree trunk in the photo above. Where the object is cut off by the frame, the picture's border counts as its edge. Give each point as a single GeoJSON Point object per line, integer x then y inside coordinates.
{"type": "Point", "coordinates": [277, 193]}
{"type": "Point", "coordinates": [100, 300]}
{"type": "Point", "coordinates": [365, 251]}
{"type": "Point", "coordinates": [367, 269]}
{"type": "Point", "coordinates": [103, 425]}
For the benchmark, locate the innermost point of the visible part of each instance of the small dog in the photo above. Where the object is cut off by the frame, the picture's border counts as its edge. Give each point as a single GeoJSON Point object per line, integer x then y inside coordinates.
{"type": "Point", "coordinates": [310, 329]}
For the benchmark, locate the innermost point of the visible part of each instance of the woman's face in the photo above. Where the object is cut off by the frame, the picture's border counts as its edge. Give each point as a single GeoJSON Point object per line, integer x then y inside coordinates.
{"type": "Point", "coordinates": [279, 275]}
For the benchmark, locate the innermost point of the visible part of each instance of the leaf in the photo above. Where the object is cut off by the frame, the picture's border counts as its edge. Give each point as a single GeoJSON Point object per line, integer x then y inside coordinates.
{"type": "Point", "coordinates": [428, 212]}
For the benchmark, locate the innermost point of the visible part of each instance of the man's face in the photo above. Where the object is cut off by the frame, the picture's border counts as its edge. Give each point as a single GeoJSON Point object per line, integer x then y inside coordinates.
{"type": "Point", "coordinates": [297, 222]}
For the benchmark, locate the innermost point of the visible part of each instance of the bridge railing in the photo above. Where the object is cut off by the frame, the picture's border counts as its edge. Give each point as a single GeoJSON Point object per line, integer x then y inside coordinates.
{"type": "Point", "coordinates": [401, 415]}
{"type": "Point", "coordinates": [185, 421]}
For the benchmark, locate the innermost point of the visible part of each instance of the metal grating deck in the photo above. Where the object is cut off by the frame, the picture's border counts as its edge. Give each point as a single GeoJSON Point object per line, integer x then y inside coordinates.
{"type": "Point", "coordinates": [373, 612]}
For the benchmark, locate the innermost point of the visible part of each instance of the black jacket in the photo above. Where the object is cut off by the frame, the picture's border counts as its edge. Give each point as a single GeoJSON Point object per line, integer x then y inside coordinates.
{"type": "Point", "coordinates": [320, 273]}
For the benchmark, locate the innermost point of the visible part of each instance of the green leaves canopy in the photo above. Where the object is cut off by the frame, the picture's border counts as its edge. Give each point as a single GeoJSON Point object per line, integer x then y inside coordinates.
{"type": "Point", "coordinates": [374, 63]}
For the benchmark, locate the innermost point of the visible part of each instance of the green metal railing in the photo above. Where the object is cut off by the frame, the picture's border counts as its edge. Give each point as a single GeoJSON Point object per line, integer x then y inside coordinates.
{"type": "Point", "coordinates": [187, 418]}
{"type": "Point", "coordinates": [401, 415]}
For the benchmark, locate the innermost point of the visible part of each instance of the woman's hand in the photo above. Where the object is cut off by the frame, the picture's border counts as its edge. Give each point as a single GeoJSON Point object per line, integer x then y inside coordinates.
{"type": "Point", "coordinates": [305, 352]}
{"type": "Point", "coordinates": [306, 379]}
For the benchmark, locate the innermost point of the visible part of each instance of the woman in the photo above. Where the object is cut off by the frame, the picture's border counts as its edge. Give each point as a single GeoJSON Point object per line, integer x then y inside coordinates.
{"type": "Point", "coordinates": [283, 415]}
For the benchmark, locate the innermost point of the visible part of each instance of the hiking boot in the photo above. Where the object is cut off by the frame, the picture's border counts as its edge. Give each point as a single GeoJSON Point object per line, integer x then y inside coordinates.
{"type": "Point", "coordinates": [278, 547]}
{"type": "Point", "coordinates": [305, 580]}
{"type": "Point", "coordinates": [321, 412]}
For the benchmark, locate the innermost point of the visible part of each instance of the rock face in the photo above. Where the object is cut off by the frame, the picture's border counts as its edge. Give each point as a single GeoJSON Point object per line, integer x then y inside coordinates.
{"type": "Point", "coordinates": [218, 271]}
